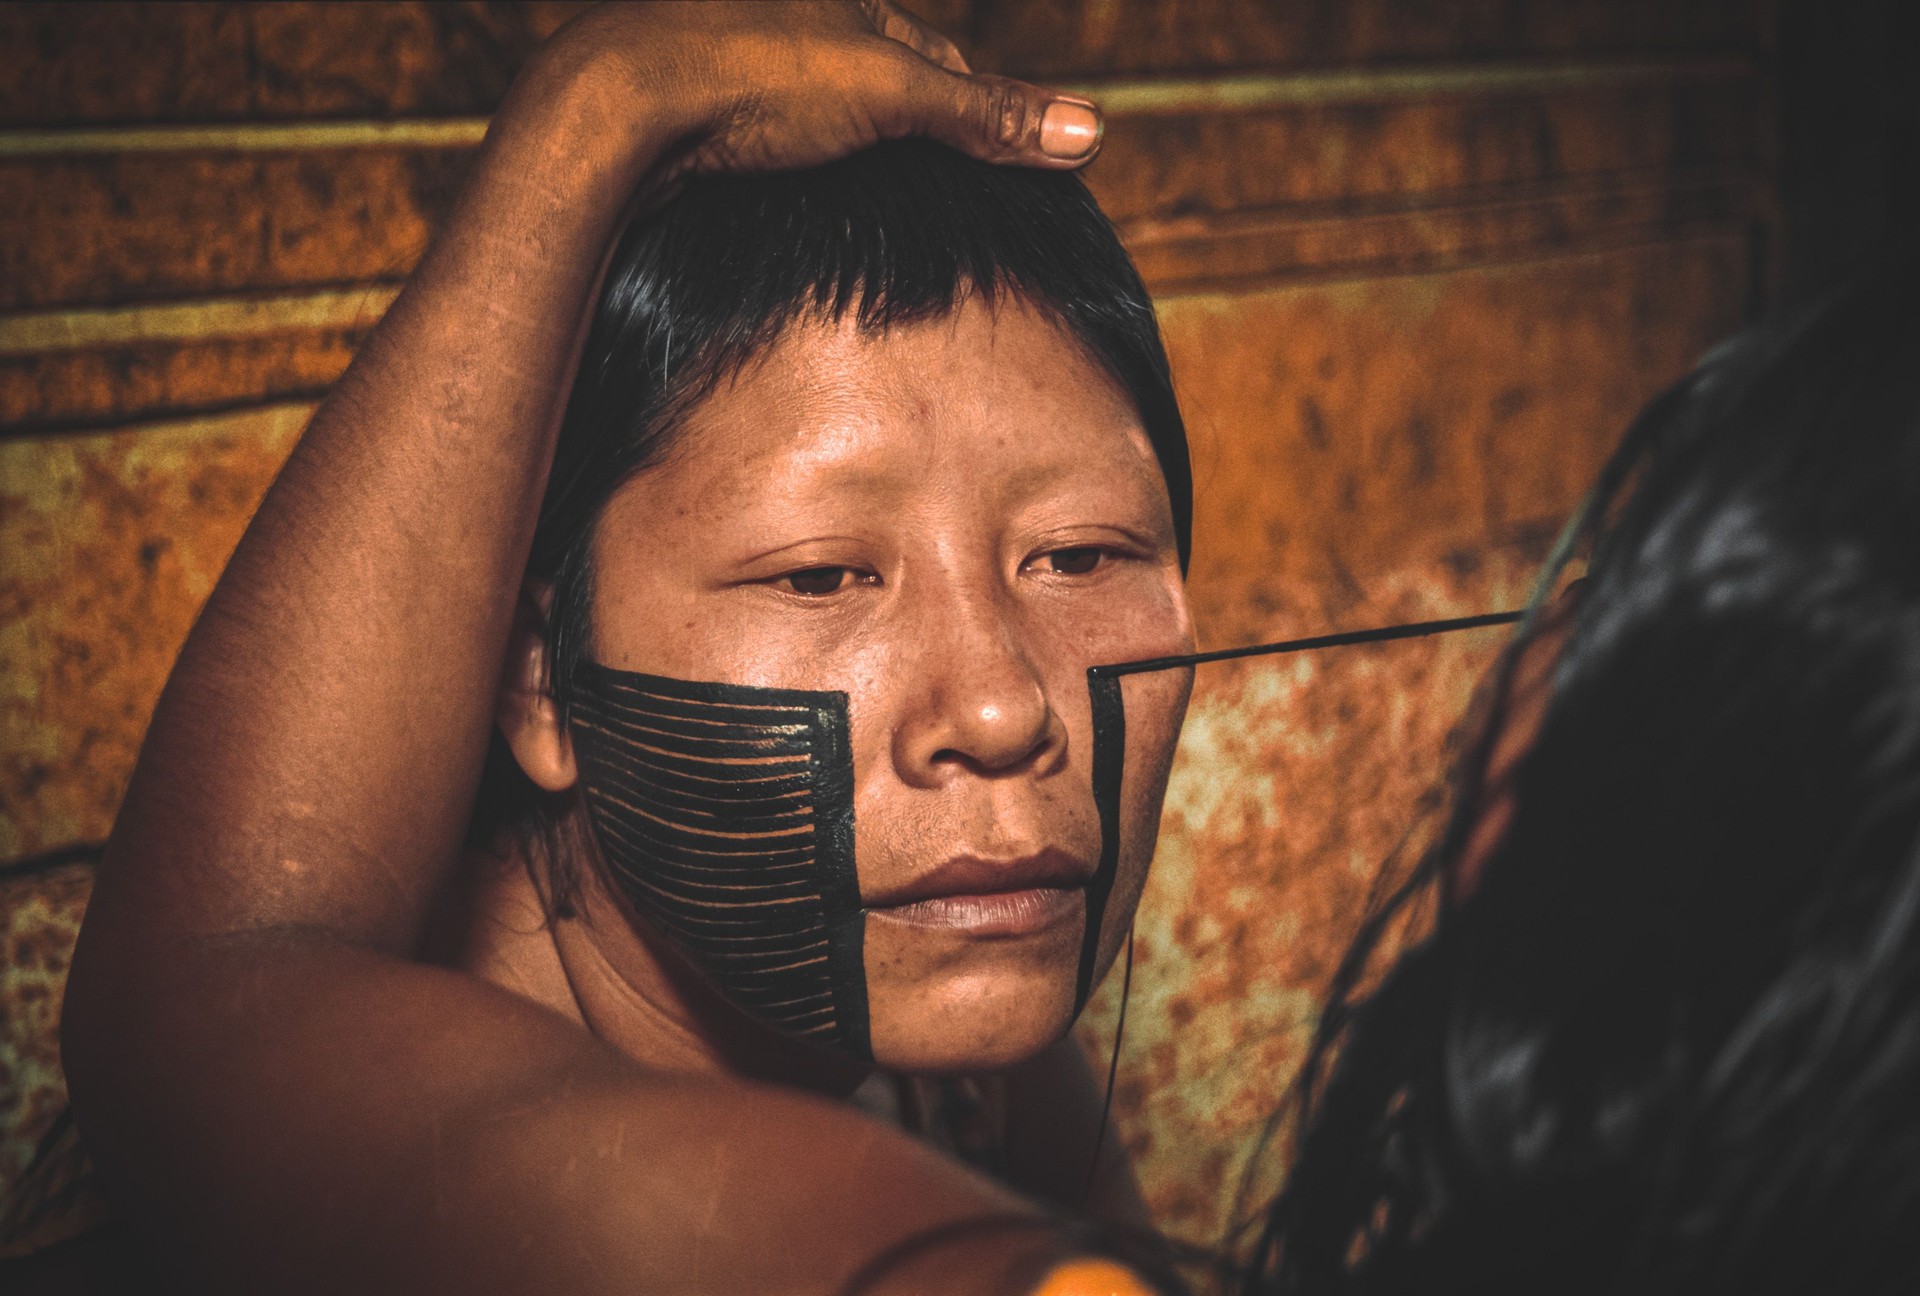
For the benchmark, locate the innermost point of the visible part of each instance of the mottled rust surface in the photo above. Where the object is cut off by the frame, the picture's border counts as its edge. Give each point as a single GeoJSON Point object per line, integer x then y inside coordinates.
{"type": "Point", "coordinates": [1041, 39]}
{"type": "Point", "coordinates": [1363, 450]}
{"type": "Point", "coordinates": [108, 546]}
{"type": "Point", "coordinates": [74, 63]}
{"type": "Point", "coordinates": [39, 917]}
{"type": "Point", "coordinates": [1345, 156]}
{"type": "Point", "coordinates": [149, 380]}
{"type": "Point", "coordinates": [141, 227]}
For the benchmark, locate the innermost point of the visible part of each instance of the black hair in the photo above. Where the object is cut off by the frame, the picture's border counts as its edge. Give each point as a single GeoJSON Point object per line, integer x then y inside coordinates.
{"type": "Point", "coordinates": [1670, 1041]}
{"type": "Point", "coordinates": [901, 232]}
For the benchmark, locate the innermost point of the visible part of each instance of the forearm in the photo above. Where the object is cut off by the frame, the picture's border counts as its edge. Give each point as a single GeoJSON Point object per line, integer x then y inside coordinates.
{"type": "Point", "coordinates": [335, 698]}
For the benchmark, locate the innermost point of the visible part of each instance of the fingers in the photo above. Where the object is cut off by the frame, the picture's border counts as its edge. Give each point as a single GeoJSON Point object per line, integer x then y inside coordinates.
{"type": "Point", "coordinates": [998, 119]}
{"type": "Point", "coordinates": [994, 118]}
{"type": "Point", "coordinates": [897, 24]}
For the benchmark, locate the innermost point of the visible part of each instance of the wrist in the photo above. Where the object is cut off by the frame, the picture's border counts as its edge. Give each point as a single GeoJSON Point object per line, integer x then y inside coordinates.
{"type": "Point", "coordinates": [585, 127]}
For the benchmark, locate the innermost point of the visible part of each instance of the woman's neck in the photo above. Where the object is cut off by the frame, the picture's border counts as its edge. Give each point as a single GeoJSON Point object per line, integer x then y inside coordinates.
{"type": "Point", "coordinates": [621, 982]}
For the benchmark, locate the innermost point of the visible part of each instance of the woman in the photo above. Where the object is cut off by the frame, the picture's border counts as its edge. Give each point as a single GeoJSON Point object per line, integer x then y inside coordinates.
{"type": "Point", "coordinates": [1668, 1038]}
{"type": "Point", "coordinates": [793, 766]}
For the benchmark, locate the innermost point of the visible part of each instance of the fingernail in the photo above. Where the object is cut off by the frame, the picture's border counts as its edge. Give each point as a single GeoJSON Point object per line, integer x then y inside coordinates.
{"type": "Point", "coordinates": [1068, 130]}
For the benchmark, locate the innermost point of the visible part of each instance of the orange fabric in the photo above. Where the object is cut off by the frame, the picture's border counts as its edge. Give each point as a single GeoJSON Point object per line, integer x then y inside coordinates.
{"type": "Point", "coordinates": [1091, 1278]}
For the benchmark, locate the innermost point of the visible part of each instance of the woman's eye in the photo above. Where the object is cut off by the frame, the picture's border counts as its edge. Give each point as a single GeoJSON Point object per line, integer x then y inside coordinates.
{"type": "Point", "coordinates": [819, 580]}
{"type": "Point", "coordinates": [1075, 562]}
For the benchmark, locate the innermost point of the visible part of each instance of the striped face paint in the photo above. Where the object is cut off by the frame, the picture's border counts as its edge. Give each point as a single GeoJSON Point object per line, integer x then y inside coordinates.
{"type": "Point", "coordinates": [725, 815]}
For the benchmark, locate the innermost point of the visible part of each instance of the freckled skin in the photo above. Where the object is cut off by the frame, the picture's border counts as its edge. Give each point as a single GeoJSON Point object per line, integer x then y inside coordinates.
{"type": "Point", "coordinates": [935, 472]}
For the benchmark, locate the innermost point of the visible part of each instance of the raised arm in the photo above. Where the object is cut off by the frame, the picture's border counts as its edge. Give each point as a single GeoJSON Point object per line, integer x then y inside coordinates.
{"type": "Point", "coordinates": [263, 1076]}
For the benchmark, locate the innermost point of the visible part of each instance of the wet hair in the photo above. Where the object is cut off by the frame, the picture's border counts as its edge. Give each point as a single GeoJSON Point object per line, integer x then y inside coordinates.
{"type": "Point", "coordinates": [1670, 1041]}
{"type": "Point", "coordinates": [899, 233]}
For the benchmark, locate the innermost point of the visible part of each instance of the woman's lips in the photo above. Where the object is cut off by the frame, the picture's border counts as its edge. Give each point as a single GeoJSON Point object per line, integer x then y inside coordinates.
{"type": "Point", "coordinates": [993, 913]}
{"type": "Point", "coordinates": [977, 896]}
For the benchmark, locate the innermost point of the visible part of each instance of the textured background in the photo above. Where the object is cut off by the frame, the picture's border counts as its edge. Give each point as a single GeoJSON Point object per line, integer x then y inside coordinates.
{"type": "Point", "coordinates": [1417, 263]}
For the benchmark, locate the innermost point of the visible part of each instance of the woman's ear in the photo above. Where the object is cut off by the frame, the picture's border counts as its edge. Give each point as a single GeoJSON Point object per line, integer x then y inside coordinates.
{"type": "Point", "coordinates": [524, 709]}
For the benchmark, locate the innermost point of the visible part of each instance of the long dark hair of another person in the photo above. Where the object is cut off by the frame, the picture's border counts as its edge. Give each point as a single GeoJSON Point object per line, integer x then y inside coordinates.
{"type": "Point", "coordinates": [1670, 1041]}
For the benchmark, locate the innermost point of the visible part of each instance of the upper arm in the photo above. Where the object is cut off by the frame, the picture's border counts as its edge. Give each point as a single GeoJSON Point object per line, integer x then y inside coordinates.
{"type": "Point", "coordinates": [355, 1122]}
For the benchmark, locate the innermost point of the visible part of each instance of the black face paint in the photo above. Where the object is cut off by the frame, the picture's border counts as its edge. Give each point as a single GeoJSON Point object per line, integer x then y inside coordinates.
{"type": "Point", "coordinates": [725, 815]}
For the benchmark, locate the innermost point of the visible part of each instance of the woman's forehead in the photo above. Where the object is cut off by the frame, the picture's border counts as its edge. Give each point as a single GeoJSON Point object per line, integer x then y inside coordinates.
{"type": "Point", "coordinates": [1000, 393]}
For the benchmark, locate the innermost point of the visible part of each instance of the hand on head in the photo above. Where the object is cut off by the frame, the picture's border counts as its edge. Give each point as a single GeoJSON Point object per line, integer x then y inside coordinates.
{"type": "Point", "coordinates": [774, 87]}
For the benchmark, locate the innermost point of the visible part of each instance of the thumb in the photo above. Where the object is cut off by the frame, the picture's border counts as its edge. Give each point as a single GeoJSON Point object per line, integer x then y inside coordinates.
{"type": "Point", "coordinates": [998, 119]}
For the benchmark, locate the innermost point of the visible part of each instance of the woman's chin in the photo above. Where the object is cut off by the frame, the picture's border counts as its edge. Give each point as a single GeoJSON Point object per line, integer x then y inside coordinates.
{"type": "Point", "coordinates": [970, 1024]}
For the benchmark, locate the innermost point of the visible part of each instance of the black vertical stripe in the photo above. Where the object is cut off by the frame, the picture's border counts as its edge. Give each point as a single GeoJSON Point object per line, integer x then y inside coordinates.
{"type": "Point", "coordinates": [1109, 764]}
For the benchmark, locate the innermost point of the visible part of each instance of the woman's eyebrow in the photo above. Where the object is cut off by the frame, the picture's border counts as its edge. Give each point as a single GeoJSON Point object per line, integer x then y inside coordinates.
{"type": "Point", "coordinates": [774, 552]}
{"type": "Point", "coordinates": [868, 470]}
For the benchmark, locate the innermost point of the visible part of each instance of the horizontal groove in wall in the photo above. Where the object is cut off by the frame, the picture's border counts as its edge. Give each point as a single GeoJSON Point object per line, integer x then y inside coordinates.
{"type": "Point", "coordinates": [1621, 187]}
{"type": "Point", "coordinates": [85, 854]}
{"type": "Point", "coordinates": [163, 415]}
{"type": "Point", "coordinates": [271, 417]}
{"type": "Point", "coordinates": [246, 137]}
{"type": "Point", "coordinates": [1251, 92]}
{"type": "Point", "coordinates": [34, 332]}
{"type": "Point", "coordinates": [1446, 263]}
{"type": "Point", "coordinates": [1118, 98]}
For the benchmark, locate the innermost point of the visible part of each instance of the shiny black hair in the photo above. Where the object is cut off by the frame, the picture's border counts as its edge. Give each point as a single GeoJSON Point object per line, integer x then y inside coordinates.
{"type": "Point", "coordinates": [901, 232]}
{"type": "Point", "coordinates": [1670, 1040]}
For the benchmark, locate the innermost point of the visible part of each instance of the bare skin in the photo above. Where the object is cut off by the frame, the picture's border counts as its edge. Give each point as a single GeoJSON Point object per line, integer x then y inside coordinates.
{"type": "Point", "coordinates": [276, 1090]}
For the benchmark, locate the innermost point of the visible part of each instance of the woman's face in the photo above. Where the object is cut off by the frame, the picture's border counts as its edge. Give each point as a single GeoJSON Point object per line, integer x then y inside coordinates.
{"type": "Point", "coordinates": [949, 522]}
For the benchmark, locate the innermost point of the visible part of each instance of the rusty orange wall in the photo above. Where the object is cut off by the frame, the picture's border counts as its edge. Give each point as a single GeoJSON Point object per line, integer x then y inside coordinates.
{"type": "Point", "coordinates": [1416, 265]}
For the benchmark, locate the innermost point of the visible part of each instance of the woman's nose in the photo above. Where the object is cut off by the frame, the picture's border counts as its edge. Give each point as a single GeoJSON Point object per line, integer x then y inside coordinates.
{"type": "Point", "coordinates": [975, 701]}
